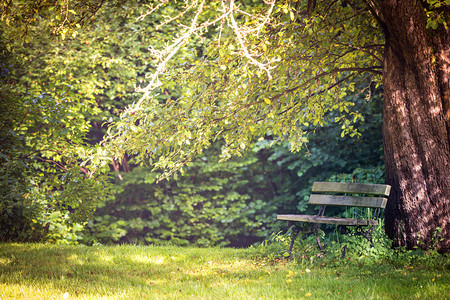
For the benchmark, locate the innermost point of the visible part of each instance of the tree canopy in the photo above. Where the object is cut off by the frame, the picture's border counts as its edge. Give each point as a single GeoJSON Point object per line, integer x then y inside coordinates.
{"type": "Point", "coordinates": [265, 69]}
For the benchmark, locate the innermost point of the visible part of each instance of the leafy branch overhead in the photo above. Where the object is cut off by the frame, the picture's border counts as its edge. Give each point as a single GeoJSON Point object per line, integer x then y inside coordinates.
{"type": "Point", "coordinates": [251, 70]}
{"type": "Point", "coordinates": [60, 17]}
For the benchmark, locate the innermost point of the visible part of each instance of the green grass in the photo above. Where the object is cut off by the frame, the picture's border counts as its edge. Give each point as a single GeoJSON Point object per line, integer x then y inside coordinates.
{"type": "Point", "coordinates": [38, 271]}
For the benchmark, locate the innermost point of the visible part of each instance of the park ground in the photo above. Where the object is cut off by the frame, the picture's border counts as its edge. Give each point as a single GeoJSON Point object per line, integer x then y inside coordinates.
{"type": "Point", "coordinates": [43, 271]}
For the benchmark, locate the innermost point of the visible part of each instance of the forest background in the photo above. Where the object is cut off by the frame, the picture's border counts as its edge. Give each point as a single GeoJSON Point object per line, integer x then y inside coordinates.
{"type": "Point", "coordinates": [60, 92]}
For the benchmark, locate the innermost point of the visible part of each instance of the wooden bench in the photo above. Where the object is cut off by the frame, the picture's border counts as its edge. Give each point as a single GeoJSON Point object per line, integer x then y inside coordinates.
{"type": "Point", "coordinates": [342, 194]}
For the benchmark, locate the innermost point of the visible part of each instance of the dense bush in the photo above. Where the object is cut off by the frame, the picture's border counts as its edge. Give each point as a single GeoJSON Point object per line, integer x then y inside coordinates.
{"type": "Point", "coordinates": [211, 204]}
{"type": "Point", "coordinates": [43, 190]}
{"type": "Point", "coordinates": [17, 211]}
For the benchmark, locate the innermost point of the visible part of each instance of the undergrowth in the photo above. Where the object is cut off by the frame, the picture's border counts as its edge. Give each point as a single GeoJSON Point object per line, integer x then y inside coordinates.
{"type": "Point", "coordinates": [306, 252]}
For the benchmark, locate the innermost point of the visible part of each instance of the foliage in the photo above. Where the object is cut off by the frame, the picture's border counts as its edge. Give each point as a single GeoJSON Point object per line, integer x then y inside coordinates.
{"type": "Point", "coordinates": [237, 93]}
{"type": "Point", "coordinates": [59, 17]}
{"type": "Point", "coordinates": [437, 12]}
{"type": "Point", "coordinates": [13, 172]}
{"type": "Point", "coordinates": [106, 73]}
{"type": "Point", "coordinates": [69, 85]}
{"type": "Point", "coordinates": [372, 175]}
{"type": "Point", "coordinates": [153, 272]}
{"type": "Point", "coordinates": [44, 130]}
{"type": "Point", "coordinates": [212, 203]}
{"type": "Point", "coordinates": [251, 189]}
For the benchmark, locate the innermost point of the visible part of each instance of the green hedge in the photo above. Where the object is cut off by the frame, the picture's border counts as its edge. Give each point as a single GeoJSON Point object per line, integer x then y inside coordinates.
{"type": "Point", "coordinates": [211, 204]}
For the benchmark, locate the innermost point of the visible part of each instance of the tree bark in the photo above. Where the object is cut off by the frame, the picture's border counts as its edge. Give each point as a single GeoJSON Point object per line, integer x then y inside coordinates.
{"type": "Point", "coordinates": [416, 126]}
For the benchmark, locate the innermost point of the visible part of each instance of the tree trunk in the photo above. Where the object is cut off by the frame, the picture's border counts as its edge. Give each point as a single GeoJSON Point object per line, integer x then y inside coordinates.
{"type": "Point", "coordinates": [416, 126]}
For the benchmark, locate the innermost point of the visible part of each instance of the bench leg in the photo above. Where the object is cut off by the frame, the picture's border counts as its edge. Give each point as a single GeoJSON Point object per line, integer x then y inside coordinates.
{"type": "Point", "coordinates": [369, 235]}
{"type": "Point", "coordinates": [295, 232]}
{"type": "Point", "coordinates": [316, 232]}
{"type": "Point", "coordinates": [344, 251]}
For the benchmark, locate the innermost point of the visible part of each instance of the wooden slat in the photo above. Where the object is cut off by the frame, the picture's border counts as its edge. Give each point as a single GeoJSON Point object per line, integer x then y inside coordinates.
{"type": "Point", "coordinates": [336, 200]}
{"type": "Point", "coordinates": [327, 220]}
{"type": "Point", "coordinates": [349, 187]}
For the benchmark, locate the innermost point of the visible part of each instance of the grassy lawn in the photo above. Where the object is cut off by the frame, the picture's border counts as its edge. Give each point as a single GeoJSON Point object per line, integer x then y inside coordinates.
{"type": "Point", "coordinates": [37, 271]}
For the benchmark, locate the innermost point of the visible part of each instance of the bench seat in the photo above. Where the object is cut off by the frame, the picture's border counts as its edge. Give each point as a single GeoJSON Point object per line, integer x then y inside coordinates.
{"type": "Point", "coordinates": [327, 220]}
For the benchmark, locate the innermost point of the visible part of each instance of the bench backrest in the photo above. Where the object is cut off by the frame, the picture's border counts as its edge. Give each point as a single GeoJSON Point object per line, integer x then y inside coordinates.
{"type": "Point", "coordinates": [369, 195]}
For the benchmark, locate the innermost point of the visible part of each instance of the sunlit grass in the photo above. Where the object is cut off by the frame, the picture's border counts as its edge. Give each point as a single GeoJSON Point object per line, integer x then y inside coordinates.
{"type": "Point", "coordinates": [35, 271]}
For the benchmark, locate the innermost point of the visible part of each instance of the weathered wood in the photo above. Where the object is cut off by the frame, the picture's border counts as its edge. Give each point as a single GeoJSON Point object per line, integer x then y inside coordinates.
{"type": "Point", "coordinates": [327, 220]}
{"type": "Point", "coordinates": [358, 201]}
{"type": "Point", "coordinates": [352, 188]}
